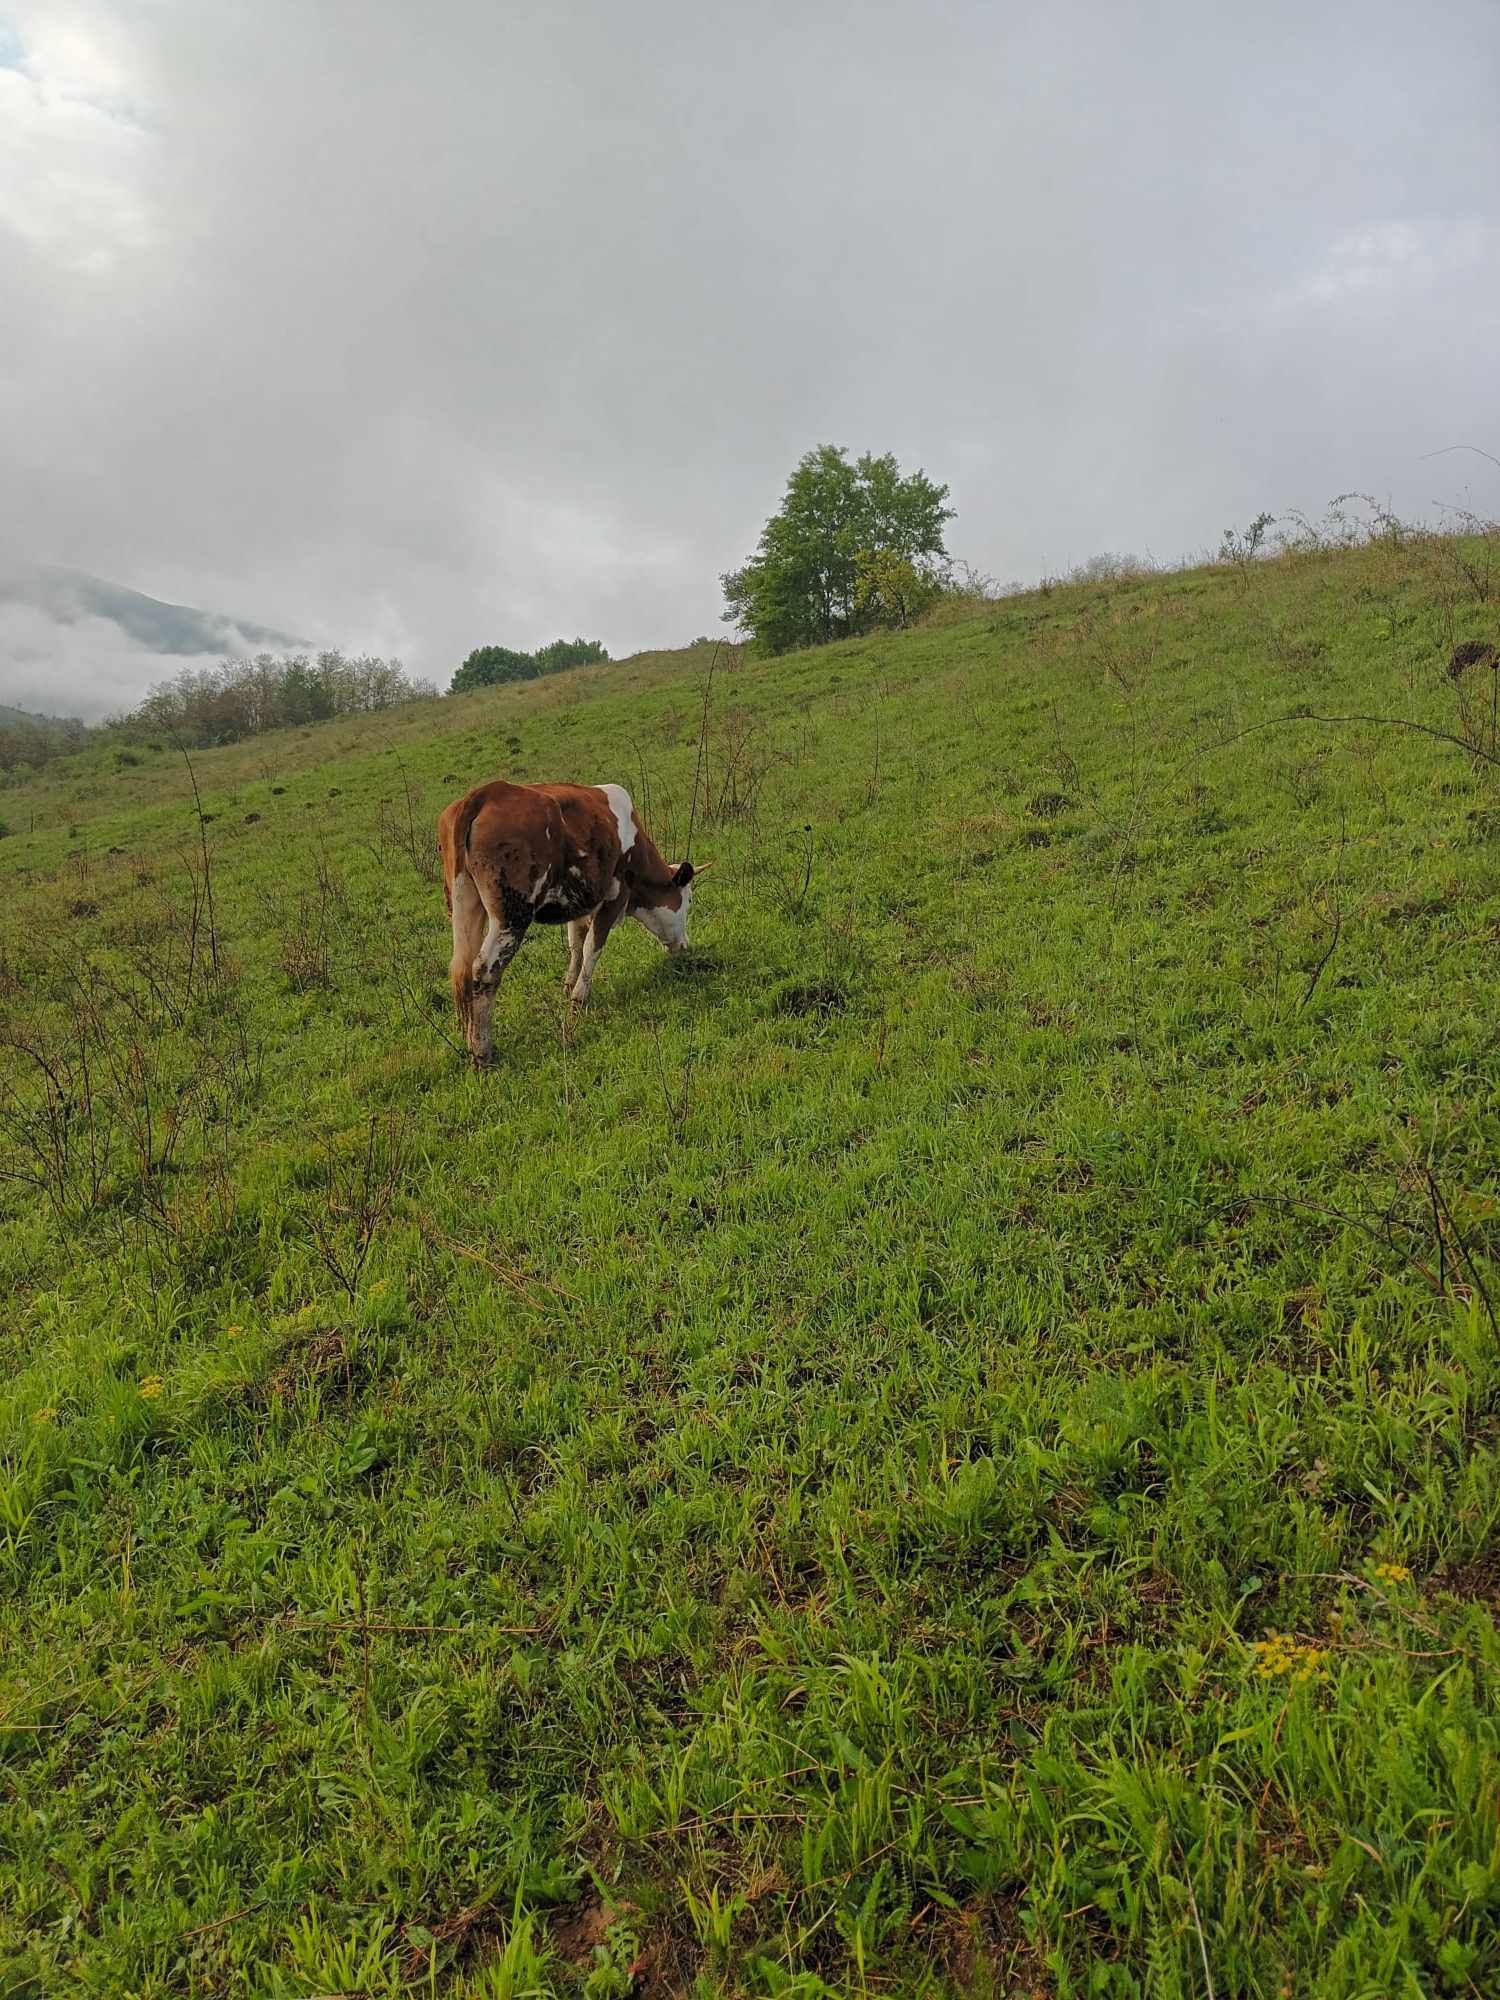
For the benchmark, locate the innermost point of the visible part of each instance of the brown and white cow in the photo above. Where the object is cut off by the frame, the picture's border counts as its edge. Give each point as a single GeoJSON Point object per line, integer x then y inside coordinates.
{"type": "Point", "coordinates": [518, 855]}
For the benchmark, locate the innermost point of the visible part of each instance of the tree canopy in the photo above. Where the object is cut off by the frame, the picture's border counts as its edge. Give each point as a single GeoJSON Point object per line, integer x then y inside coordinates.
{"type": "Point", "coordinates": [490, 666]}
{"type": "Point", "coordinates": [569, 653]}
{"type": "Point", "coordinates": [853, 546]}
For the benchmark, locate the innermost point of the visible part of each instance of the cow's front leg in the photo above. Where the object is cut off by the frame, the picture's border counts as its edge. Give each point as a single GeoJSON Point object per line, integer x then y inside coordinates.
{"type": "Point", "coordinates": [600, 924]}
{"type": "Point", "coordinates": [578, 930]}
{"type": "Point", "coordinates": [502, 941]}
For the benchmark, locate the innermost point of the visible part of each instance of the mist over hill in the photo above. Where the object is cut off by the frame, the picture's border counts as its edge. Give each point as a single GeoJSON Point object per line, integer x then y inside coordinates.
{"type": "Point", "coordinates": [76, 644]}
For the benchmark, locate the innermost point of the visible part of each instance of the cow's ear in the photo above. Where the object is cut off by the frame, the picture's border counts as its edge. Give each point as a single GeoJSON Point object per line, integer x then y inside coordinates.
{"type": "Point", "coordinates": [683, 875]}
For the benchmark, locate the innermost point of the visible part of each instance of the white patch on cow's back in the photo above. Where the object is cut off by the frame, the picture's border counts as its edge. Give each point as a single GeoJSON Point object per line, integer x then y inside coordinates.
{"type": "Point", "coordinates": [623, 807]}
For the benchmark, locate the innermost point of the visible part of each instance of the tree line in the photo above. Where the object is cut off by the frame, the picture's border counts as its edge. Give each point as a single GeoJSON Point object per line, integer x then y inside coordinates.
{"type": "Point", "coordinates": [203, 706]}
{"type": "Point", "coordinates": [29, 741]}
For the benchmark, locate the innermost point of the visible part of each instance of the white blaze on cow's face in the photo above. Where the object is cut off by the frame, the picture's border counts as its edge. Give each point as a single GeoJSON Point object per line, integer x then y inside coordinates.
{"type": "Point", "coordinates": [666, 925]}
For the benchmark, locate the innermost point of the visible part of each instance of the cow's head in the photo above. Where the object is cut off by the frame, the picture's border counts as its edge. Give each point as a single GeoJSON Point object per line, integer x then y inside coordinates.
{"type": "Point", "coordinates": [667, 919]}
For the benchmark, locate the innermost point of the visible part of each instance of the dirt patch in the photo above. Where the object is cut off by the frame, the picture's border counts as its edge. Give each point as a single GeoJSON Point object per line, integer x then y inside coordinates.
{"type": "Point", "coordinates": [1411, 909]}
{"type": "Point", "coordinates": [1207, 819]}
{"type": "Point", "coordinates": [321, 1353]}
{"type": "Point", "coordinates": [984, 1948]}
{"type": "Point", "coordinates": [697, 962]}
{"type": "Point", "coordinates": [1041, 1014]}
{"type": "Point", "coordinates": [577, 1931]}
{"type": "Point", "coordinates": [821, 998]}
{"type": "Point", "coordinates": [462, 1940]}
{"type": "Point", "coordinates": [1476, 1582]}
{"type": "Point", "coordinates": [1472, 653]}
{"type": "Point", "coordinates": [1302, 1309]}
{"type": "Point", "coordinates": [660, 1966]}
{"type": "Point", "coordinates": [663, 1969]}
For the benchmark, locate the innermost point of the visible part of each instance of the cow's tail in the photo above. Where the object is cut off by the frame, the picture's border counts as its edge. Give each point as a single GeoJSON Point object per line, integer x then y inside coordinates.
{"type": "Point", "coordinates": [468, 812]}
{"type": "Point", "coordinates": [453, 838]}
{"type": "Point", "coordinates": [460, 828]}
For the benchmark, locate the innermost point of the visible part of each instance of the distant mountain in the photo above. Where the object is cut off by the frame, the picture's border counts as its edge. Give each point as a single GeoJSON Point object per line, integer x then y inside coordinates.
{"type": "Point", "coordinates": [70, 595]}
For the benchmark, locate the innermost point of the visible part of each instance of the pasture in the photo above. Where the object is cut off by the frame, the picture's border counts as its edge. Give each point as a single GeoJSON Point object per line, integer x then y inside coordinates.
{"type": "Point", "coordinates": [947, 1441]}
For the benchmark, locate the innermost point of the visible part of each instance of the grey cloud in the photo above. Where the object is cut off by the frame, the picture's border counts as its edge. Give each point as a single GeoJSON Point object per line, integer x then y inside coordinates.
{"type": "Point", "coordinates": [411, 331]}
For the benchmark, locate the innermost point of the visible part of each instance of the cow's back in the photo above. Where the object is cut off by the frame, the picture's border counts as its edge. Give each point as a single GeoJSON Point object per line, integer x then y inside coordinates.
{"type": "Point", "coordinates": [517, 833]}
{"type": "Point", "coordinates": [501, 802]}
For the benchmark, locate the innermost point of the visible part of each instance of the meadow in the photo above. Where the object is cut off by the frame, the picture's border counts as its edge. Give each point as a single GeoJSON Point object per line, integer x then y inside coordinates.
{"type": "Point", "coordinates": [946, 1442]}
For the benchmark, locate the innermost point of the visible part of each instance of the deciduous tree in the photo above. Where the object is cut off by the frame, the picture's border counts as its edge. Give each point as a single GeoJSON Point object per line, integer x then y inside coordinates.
{"type": "Point", "coordinates": [839, 519]}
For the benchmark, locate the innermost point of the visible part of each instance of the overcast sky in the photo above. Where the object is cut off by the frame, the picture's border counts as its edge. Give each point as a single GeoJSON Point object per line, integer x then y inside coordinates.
{"type": "Point", "coordinates": [413, 328]}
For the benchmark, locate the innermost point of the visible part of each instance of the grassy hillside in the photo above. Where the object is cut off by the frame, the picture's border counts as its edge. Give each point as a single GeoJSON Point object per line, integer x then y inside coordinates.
{"type": "Point", "coordinates": [949, 1442]}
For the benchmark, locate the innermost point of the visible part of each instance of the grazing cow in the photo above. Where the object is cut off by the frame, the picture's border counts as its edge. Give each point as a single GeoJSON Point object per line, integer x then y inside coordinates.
{"type": "Point", "coordinates": [518, 855]}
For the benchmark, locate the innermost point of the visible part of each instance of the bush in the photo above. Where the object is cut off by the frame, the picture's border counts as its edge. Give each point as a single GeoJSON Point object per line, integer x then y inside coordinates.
{"type": "Point", "coordinates": [1108, 568]}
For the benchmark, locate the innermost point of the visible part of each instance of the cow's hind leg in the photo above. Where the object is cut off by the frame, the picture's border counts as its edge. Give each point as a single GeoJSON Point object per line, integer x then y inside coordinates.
{"type": "Point", "coordinates": [499, 945]}
{"type": "Point", "coordinates": [469, 920]}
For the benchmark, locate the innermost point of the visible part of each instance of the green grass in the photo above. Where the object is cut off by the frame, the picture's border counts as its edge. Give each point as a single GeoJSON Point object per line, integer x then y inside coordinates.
{"type": "Point", "coordinates": [783, 1486]}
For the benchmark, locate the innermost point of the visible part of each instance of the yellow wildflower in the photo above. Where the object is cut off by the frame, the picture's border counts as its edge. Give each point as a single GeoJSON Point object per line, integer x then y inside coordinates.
{"type": "Point", "coordinates": [1280, 1656]}
{"type": "Point", "coordinates": [151, 1387]}
{"type": "Point", "coordinates": [45, 1416]}
{"type": "Point", "coordinates": [1393, 1572]}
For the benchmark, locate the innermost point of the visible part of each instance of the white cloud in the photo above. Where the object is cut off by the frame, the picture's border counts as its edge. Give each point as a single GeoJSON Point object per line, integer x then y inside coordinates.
{"type": "Point", "coordinates": [73, 157]}
{"type": "Point", "coordinates": [1383, 258]}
